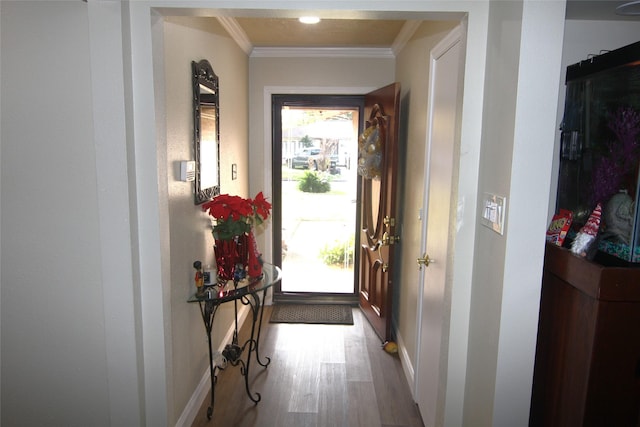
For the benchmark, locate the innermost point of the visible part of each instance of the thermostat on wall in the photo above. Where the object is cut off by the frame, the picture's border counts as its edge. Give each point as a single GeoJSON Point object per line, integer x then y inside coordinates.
{"type": "Point", "coordinates": [188, 171]}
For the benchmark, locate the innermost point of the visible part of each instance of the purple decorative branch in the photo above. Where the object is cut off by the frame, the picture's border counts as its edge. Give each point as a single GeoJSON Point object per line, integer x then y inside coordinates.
{"type": "Point", "coordinates": [622, 155]}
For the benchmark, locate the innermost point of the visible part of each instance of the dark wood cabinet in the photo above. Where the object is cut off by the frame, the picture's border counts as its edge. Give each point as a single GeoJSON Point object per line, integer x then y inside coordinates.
{"type": "Point", "coordinates": [587, 366]}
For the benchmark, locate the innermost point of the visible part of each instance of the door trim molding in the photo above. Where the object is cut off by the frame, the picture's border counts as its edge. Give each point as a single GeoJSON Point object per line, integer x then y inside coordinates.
{"type": "Point", "coordinates": [454, 37]}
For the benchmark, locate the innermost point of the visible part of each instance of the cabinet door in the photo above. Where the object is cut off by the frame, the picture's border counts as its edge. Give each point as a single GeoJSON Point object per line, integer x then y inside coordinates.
{"type": "Point", "coordinates": [565, 343]}
{"type": "Point", "coordinates": [613, 395]}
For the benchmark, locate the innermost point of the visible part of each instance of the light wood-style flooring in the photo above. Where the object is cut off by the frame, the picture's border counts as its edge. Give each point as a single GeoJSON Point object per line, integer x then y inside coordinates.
{"type": "Point", "coordinates": [319, 376]}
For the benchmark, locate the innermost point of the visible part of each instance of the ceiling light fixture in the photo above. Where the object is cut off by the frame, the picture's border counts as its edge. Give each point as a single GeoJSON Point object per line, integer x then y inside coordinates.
{"type": "Point", "coordinates": [309, 19]}
{"type": "Point", "coordinates": [631, 8]}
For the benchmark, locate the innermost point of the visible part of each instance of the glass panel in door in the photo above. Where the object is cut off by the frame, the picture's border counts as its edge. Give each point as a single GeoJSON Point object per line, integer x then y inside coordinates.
{"type": "Point", "coordinates": [319, 194]}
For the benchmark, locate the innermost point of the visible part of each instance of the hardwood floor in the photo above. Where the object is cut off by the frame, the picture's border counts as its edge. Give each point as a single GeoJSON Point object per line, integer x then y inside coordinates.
{"type": "Point", "coordinates": [319, 376]}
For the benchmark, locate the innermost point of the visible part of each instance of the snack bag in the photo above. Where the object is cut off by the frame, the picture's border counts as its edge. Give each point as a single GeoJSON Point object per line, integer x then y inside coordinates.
{"type": "Point", "coordinates": [559, 227]}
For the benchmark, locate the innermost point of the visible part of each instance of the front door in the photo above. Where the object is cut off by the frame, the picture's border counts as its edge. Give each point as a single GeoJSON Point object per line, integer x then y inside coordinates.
{"type": "Point", "coordinates": [315, 184]}
{"type": "Point", "coordinates": [377, 168]}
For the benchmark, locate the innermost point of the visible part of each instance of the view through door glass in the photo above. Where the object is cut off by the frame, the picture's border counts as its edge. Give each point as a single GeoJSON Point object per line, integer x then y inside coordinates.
{"type": "Point", "coordinates": [318, 193]}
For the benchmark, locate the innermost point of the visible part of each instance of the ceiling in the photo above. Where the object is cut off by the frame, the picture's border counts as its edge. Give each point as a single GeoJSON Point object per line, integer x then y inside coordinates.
{"type": "Point", "coordinates": [371, 32]}
{"type": "Point", "coordinates": [287, 32]}
{"type": "Point", "coordinates": [602, 10]}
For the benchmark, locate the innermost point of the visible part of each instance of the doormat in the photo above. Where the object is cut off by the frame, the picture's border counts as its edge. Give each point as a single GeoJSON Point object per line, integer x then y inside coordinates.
{"type": "Point", "coordinates": [312, 313]}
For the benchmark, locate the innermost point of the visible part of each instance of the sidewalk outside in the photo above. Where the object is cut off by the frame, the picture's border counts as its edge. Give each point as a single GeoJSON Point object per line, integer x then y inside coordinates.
{"type": "Point", "coordinates": [310, 221]}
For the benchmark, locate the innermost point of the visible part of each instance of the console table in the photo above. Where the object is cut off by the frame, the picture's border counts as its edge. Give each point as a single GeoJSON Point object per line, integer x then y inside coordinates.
{"type": "Point", "coordinates": [249, 292]}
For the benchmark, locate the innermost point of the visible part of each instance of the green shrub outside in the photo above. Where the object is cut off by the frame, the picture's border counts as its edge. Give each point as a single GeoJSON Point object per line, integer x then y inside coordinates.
{"type": "Point", "coordinates": [312, 182]}
{"type": "Point", "coordinates": [338, 253]}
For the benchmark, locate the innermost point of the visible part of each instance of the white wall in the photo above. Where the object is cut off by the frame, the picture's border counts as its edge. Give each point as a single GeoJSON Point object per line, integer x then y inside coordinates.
{"type": "Point", "coordinates": [524, 64]}
{"type": "Point", "coordinates": [497, 150]}
{"type": "Point", "coordinates": [120, 294]}
{"type": "Point", "coordinates": [54, 359]}
{"type": "Point", "coordinates": [542, 28]}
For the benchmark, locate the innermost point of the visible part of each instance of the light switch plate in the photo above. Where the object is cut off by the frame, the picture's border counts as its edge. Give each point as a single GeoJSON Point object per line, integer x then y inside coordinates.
{"type": "Point", "coordinates": [493, 212]}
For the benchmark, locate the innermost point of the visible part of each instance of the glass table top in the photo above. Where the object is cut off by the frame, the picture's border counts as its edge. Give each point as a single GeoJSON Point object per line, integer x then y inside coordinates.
{"type": "Point", "coordinates": [271, 274]}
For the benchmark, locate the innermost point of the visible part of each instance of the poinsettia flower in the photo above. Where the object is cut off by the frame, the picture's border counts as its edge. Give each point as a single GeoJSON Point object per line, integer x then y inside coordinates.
{"type": "Point", "coordinates": [236, 215]}
{"type": "Point", "coordinates": [217, 207]}
{"type": "Point", "coordinates": [262, 206]}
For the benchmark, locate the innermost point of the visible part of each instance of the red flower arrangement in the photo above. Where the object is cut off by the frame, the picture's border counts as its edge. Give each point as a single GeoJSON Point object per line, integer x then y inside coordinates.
{"type": "Point", "coordinates": [235, 215]}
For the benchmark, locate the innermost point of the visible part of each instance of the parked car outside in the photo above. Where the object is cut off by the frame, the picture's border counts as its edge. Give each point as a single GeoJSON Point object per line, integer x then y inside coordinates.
{"type": "Point", "coordinates": [301, 159]}
{"type": "Point", "coordinates": [322, 162]}
{"type": "Point", "coordinates": [315, 159]}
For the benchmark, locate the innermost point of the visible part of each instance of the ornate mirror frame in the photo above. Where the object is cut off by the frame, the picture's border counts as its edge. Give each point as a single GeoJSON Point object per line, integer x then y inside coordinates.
{"type": "Point", "coordinates": [206, 131]}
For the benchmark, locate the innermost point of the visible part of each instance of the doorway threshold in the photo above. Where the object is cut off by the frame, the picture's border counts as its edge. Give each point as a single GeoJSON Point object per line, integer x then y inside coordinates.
{"type": "Point", "coordinates": [310, 298]}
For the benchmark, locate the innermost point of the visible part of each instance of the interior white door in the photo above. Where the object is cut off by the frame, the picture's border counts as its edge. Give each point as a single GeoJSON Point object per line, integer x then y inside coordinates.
{"type": "Point", "coordinates": [438, 225]}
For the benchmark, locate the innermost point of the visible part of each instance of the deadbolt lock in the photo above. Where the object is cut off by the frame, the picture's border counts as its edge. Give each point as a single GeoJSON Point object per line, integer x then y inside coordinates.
{"type": "Point", "coordinates": [389, 240]}
{"type": "Point", "coordinates": [391, 222]}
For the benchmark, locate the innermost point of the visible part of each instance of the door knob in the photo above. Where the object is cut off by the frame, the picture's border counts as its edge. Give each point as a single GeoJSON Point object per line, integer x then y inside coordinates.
{"type": "Point", "coordinates": [425, 260]}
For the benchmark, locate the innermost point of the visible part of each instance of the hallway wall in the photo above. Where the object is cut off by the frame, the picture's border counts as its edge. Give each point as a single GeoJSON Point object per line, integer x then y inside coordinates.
{"type": "Point", "coordinates": [524, 174]}
{"type": "Point", "coordinates": [497, 152]}
{"type": "Point", "coordinates": [54, 351]}
{"type": "Point", "coordinates": [189, 233]}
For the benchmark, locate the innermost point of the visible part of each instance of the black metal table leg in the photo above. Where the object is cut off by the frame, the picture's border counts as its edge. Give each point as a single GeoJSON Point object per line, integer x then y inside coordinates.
{"type": "Point", "coordinates": [248, 294]}
{"type": "Point", "coordinates": [257, 349]}
{"type": "Point", "coordinates": [208, 311]}
{"type": "Point", "coordinates": [234, 353]}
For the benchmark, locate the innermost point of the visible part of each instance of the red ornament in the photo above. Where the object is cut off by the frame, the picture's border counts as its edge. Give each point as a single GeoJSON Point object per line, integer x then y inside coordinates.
{"type": "Point", "coordinates": [254, 263]}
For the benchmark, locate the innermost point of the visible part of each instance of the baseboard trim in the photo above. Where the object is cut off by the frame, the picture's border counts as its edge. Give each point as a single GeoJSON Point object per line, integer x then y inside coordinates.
{"type": "Point", "coordinates": [192, 407]}
{"type": "Point", "coordinates": [405, 360]}
{"type": "Point", "coordinates": [407, 367]}
{"type": "Point", "coordinates": [194, 404]}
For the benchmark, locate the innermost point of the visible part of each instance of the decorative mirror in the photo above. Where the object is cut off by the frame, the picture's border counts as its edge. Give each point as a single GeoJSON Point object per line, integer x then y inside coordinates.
{"type": "Point", "coordinates": [206, 131]}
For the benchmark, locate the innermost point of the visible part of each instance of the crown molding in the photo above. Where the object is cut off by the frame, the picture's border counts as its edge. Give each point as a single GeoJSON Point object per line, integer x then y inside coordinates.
{"type": "Point", "coordinates": [236, 32]}
{"type": "Point", "coordinates": [405, 34]}
{"type": "Point", "coordinates": [321, 52]}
